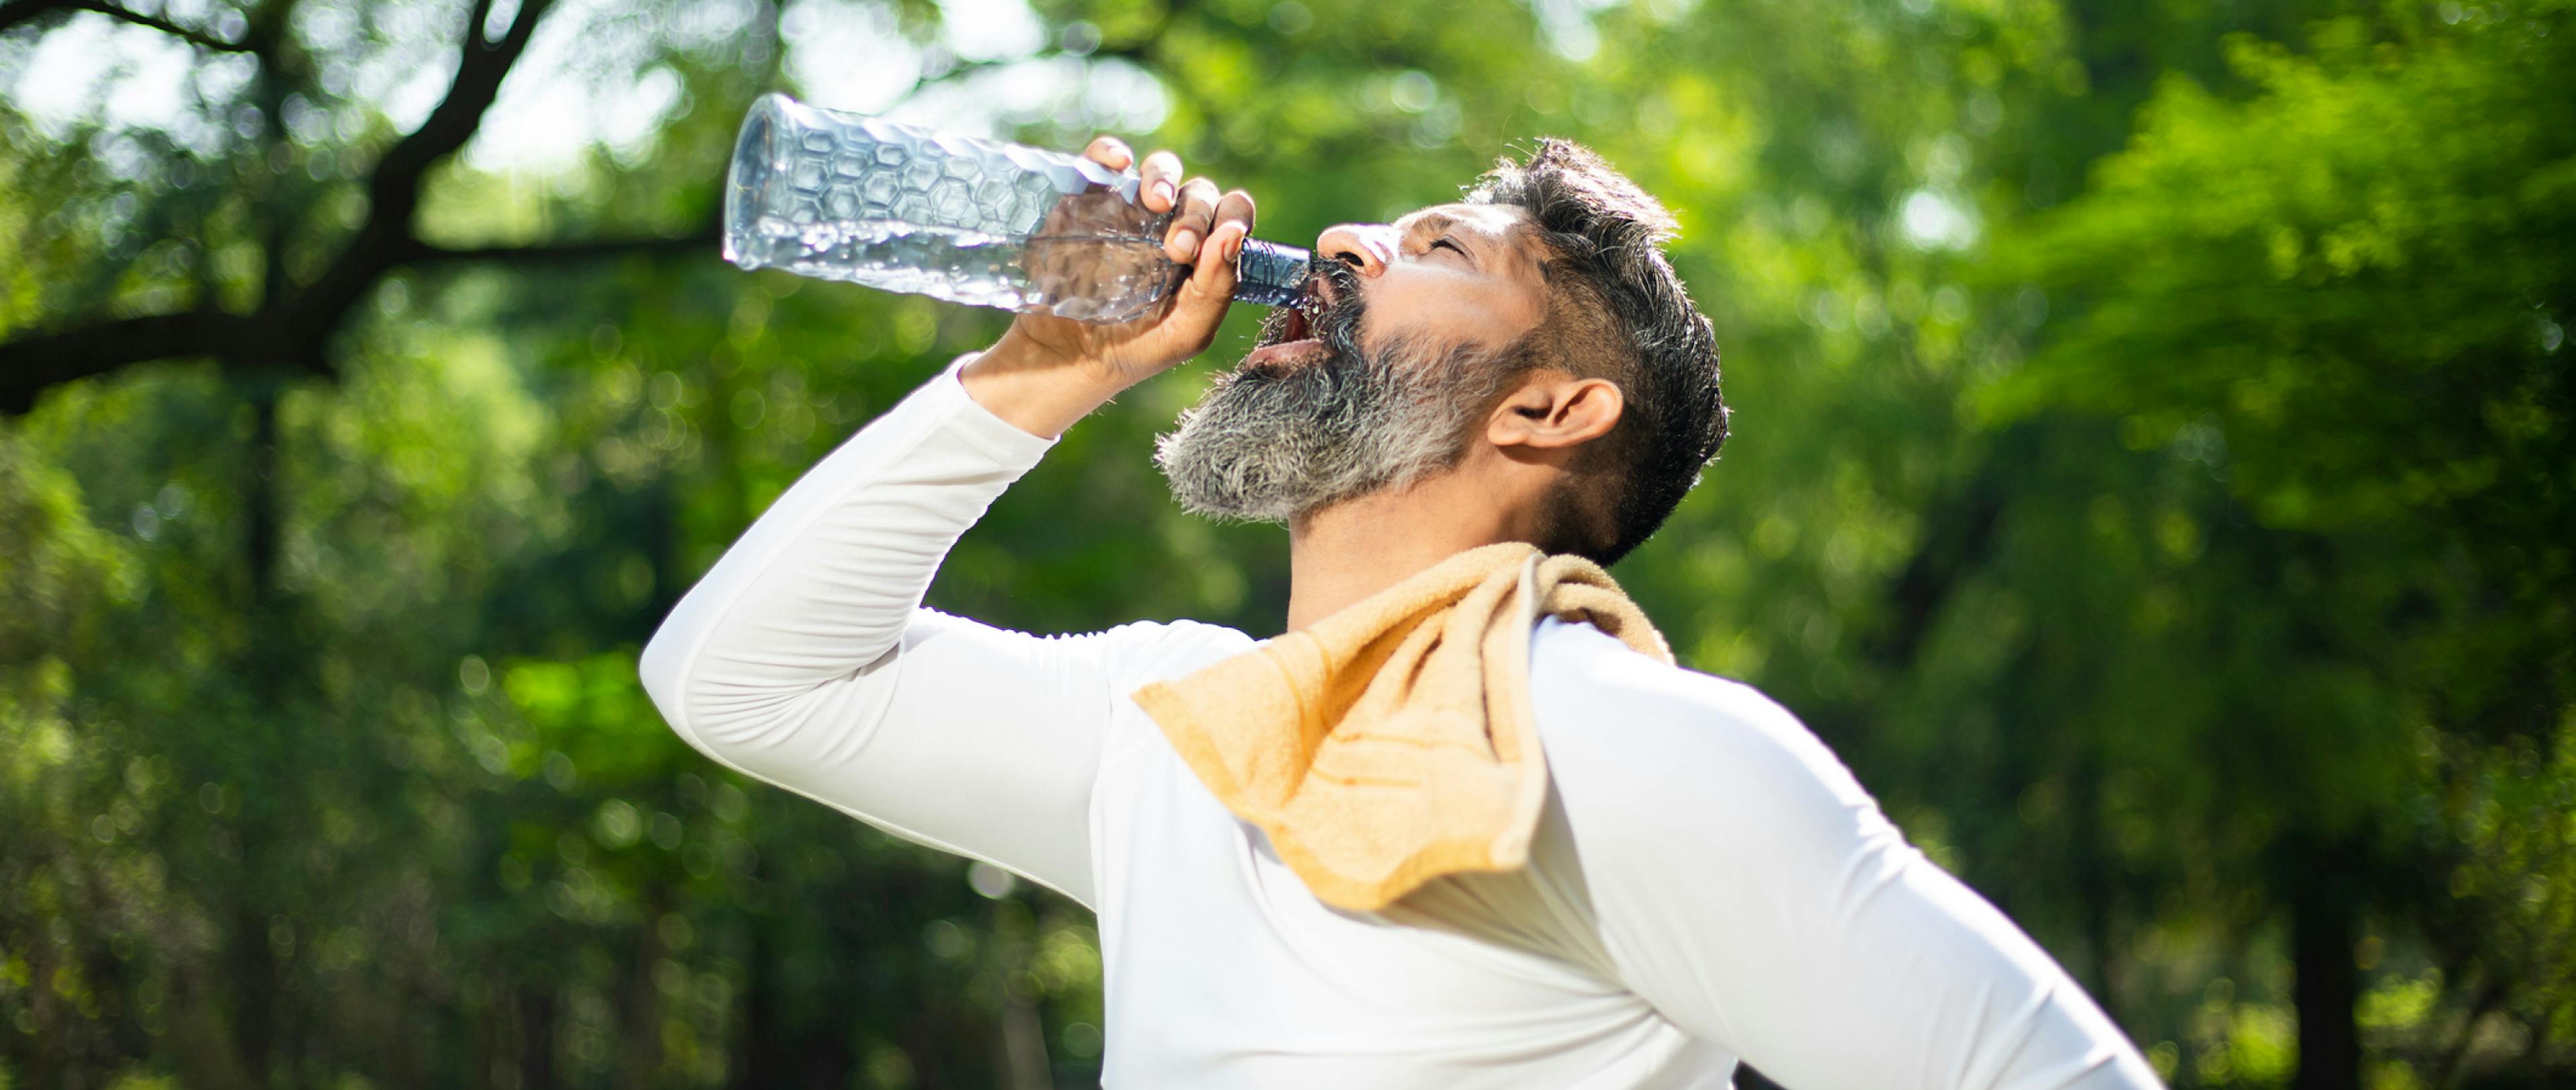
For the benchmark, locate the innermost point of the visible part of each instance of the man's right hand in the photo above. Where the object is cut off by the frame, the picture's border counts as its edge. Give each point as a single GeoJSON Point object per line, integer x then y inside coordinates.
{"type": "Point", "coordinates": [1047, 372]}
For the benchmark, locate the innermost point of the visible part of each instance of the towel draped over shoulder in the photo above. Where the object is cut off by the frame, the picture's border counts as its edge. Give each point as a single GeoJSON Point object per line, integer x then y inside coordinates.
{"type": "Point", "coordinates": [1392, 743]}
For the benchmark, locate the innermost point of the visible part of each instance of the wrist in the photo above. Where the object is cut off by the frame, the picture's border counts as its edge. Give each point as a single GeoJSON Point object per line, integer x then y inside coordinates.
{"type": "Point", "coordinates": [1038, 390]}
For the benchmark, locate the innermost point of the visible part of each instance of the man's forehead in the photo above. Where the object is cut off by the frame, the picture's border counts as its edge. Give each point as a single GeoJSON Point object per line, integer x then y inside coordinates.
{"type": "Point", "coordinates": [1494, 219]}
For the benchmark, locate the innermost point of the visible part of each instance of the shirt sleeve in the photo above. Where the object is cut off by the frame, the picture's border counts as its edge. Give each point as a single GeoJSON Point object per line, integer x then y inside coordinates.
{"type": "Point", "coordinates": [1745, 885]}
{"type": "Point", "coordinates": [804, 658]}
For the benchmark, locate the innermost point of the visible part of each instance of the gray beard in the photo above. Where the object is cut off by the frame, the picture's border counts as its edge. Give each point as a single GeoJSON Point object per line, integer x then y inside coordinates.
{"type": "Point", "coordinates": [1271, 444]}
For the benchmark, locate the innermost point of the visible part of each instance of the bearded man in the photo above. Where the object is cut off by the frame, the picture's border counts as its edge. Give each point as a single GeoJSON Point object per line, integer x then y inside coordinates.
{"type": "Point", "coordinates": [1465, 824]}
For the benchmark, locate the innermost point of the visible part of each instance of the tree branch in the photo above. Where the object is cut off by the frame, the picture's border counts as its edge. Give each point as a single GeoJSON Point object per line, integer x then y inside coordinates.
{"type": "Point", "coordinates": [1960, 537]}
{"type": "Point", "coordinates": [13, 14]}
{"type": "Point", "coordinates": [31, 364]}
{"type": "Point", "coordinates": [292, 327]}
{"type": "Point", "coordinates": [393, 191]}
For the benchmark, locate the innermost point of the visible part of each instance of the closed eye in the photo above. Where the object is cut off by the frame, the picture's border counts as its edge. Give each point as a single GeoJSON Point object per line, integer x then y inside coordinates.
{"type": "Point", "coordinates": [1445, 241]}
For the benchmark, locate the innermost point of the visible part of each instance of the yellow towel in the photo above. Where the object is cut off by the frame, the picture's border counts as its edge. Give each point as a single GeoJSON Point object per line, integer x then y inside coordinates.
{"type": "Point", "coordinates": [1391, 743]}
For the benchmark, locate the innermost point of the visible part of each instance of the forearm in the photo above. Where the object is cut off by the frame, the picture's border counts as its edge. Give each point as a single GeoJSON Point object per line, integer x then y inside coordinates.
{"type": "Point", "coordinates": [1020, 382]}
{"type": "Point", "coordinates": [804, 657]}
{"type": "Point", "coordinates": [823, 583]}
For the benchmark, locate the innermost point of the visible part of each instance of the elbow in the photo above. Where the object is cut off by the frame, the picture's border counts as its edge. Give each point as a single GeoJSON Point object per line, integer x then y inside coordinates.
{"type": "Point", "coordinates": [663, 668]}
{"type": "Point", "coordinates": [738, 721]}
{"type": "Point", "coordinates": [749, 708]}
{"type": "Point", "coordinates": [667, 669]}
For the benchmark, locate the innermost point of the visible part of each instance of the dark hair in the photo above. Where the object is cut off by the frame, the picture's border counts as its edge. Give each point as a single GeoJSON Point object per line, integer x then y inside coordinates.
{"type": "Point", "coordinates": [1618, 311]}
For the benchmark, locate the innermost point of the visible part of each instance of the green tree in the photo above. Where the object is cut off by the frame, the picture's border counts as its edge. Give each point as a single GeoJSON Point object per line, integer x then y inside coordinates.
{"type": "Point", "coordinates": [2332, 312]}
{"type": "Point", "coordinates": [2166, 538]}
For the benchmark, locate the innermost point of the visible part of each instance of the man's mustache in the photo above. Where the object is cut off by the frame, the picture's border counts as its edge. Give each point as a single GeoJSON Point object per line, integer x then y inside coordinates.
{"type": "Point", "coordinates": [1336, 323]}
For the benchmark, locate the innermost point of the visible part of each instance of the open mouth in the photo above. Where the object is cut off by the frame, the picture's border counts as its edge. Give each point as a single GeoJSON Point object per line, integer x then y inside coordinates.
{"type": "Point", "coordinates": [1291, 337]}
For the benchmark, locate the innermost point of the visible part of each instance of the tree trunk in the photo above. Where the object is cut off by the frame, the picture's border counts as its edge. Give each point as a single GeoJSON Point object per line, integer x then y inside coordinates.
{"type": "Point", "coordinates": [756, 1047]}
{"type": "Point", "coordinates": [639, 1018]}
{"type": "Point", "coordinates": [251, 960]}
{"type": "Point", "coordinates": [2092, 866]}
{"type": "Point", "coordinates": [252, 964]}
{"type": "Point", "coordinates": [536, 1008]}
{"type": "Point", "coordinates": [824, 1059]}
{"type": "Point", "coordinates": [259, 492]}
{"type": "Point", "coordinates": [1023, 1034]}
{"type": "Point", "coordinates": [2321, 948]}
{"type": "Point", "coordinates": [52, 1062]}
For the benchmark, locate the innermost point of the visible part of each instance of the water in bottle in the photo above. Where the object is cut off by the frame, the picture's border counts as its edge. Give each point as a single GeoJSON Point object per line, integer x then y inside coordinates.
{"type": "Point", "coordinates": [849, 197]}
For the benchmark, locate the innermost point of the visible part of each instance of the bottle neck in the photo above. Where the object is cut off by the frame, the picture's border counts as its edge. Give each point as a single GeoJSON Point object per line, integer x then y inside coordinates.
{"type": "Point", "coordinates": [1271, 274]}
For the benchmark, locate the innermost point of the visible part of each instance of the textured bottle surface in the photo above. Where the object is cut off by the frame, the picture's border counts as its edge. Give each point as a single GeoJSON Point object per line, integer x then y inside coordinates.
{"type": "Point", "coordinates": [848, 197]}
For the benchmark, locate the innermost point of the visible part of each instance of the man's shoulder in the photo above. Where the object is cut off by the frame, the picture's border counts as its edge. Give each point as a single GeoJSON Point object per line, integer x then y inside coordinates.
{"type": "Point", "coordinates": [1580, 671]}
{"type": "Point", "coordinates": [1626, 732]}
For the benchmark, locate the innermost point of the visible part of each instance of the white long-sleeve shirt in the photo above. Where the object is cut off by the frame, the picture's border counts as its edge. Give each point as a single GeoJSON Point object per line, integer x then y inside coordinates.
{"type": "Point", "coordinates": [1708, 882]}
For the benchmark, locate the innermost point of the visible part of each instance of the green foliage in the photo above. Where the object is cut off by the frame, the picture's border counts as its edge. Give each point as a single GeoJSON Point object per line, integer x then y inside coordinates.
{"type": "Point", "coordinates": [2333, 310]}
{"type": "Point", "coordinates": [2150, 473]}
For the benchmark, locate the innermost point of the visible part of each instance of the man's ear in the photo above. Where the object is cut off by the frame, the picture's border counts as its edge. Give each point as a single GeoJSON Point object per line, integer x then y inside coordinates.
{"type": "Point", "coordinates": [1553, 409]}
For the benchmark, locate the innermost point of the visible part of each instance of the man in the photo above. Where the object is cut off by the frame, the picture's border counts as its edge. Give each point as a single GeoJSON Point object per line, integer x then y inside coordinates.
{"type": "Point", "coordinates": [1706, 882]}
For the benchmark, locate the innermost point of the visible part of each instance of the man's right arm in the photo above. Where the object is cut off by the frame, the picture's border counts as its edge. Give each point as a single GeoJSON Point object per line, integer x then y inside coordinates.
{"type": "Point", "coordinates": [804, 658]}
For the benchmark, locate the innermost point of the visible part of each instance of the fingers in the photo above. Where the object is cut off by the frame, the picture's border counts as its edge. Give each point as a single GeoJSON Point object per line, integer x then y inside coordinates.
{"type": "Point", "coordinates": [1230, 219]}
{"type": "Point", "coordinates": [1207, 233]}
{"type": "Point", "coordinates": [1109, 151]}
{"type": "Point", "coordinates": [1161, 176]}
{"type": "Point", "coordinates": [1203, 299]}
{"type": "Point", "coordinates": [1196, 203]}
{"type": "Point", "coordinates": [1234, 207]}
{"type": "Point", "coordinates": [1190, 225]}
{"type": "Point", "coordinates": [1214, 274]}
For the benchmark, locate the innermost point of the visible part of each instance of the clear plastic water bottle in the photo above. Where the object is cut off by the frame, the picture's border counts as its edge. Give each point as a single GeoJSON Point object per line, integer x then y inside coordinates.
{"type": "Point", "coordinates": [848, 197]}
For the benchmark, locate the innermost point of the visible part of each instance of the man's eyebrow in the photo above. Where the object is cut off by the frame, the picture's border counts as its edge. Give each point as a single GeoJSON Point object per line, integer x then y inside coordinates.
{"type": "Point", "coordinates": [1444, 223]}
{"type": "Point", "coordinates": [1438, 221]}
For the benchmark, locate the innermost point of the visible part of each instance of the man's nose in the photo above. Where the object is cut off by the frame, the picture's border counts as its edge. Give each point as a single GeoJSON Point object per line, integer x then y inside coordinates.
{"type": "Point", "coordinates": [1367, 247]}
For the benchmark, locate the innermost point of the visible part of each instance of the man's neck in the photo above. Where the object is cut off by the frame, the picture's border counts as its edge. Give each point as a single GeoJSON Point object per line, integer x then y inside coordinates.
{"type": "Point", "coordinates": [1341, 555]}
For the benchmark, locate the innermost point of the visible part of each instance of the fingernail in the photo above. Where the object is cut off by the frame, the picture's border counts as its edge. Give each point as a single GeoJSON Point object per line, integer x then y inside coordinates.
{"type": "Point", "coordinates": [1234, 247]}
{"type": "Point", "coordinates": [1187, 240]}
{"type": "Point", "coordinates": [1165, 191]}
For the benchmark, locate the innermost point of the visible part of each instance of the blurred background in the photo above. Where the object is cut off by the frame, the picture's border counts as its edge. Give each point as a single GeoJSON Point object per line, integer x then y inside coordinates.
{"type": "Point", "coordinates": [2152, 474]}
